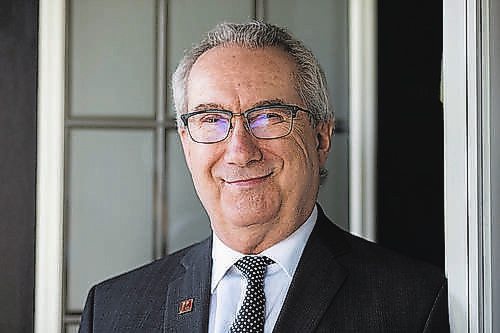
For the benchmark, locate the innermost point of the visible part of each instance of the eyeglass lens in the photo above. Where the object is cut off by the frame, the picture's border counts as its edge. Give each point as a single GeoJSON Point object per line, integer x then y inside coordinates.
{"type": "Point", "coordinates": [214, 126]}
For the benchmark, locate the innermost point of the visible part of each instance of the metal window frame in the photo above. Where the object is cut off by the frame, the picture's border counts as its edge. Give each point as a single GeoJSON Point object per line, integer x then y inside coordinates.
{"type": "Point", "coordinates": [160, 124]}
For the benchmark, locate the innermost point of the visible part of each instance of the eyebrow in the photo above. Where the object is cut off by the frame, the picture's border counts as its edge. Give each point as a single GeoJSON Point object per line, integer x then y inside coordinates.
{"type": "Point", "coordinates": [215, 106]}
{"type": "Point", "coordinates": [268, 102]}
{"type": "Point", "coordinates": [208, 106]}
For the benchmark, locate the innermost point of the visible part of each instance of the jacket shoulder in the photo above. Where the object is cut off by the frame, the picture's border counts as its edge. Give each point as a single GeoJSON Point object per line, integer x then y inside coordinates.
{"type": "Point", "coordinates": [401, 293]}
{"type": "Point", "coordinates": [167, 265]}
{"type": "Point", "coordinates": [135, 298]}
{"type": "Point", "coordinates": [383, 291]}
{"type": "Point", "coordinates": [365, 254]}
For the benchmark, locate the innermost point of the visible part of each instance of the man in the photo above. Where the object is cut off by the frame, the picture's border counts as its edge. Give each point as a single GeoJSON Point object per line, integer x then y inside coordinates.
{"type": "Point", "coordinates": [255, 127]}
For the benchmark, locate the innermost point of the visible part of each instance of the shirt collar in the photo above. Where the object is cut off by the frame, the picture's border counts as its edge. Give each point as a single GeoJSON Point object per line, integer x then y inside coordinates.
{"type": "Point", "coordinates": [285, 253]}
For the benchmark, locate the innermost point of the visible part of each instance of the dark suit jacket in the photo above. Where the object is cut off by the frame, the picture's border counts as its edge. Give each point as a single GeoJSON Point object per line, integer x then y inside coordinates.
{"type": "Point", "coordinates": [342, 284]}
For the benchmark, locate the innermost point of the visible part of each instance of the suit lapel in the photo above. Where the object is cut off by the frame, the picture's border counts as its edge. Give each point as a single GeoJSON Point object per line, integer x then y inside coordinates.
{"type": "Point", "coordinates": [188, 296]}
{"type": "Point", "coordinates": [316, 281]}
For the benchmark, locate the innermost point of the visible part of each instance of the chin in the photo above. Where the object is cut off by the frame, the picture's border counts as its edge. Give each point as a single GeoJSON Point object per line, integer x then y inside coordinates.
{"type": "Point", "coordinates": [251, 210]}
{"type": "Point", "coordinates": [262, 200]}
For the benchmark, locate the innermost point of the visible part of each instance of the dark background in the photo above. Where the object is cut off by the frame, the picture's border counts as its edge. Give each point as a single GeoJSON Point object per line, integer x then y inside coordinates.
{"type": "Point", "coordinates": [410, 167]}
{"type": "Point", "coordinates": [18, 78]}
{"type": "Point", "coordinates": [410, 205]}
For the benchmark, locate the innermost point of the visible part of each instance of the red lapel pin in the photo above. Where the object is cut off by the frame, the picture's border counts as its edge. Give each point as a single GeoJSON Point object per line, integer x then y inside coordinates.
{"type": "Point", "coordinates": [186, 306]}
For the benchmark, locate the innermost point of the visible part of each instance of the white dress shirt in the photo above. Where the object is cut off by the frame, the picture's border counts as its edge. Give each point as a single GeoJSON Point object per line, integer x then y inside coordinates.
{"type": "Point", "coordinates": [228, 285]}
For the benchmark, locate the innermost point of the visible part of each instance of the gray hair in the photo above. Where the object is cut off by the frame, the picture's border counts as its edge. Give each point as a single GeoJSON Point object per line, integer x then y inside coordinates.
{"type": "Point", "coordinates": [310, 81]}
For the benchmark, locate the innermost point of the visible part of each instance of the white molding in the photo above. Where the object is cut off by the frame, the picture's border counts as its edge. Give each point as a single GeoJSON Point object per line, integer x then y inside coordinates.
{"type": "Point", "coordinates": [473, 114]}
{"type": "Point", "coordinates": [362, 117]}
{"type": "Point", "coordinates": [455, 162]}
{"type": "Point", "coordinates": [467, 164]}
{"type": "Point", "coordinates": [487, 126]}
{"type": "Point", "coordinates": [49, 227]}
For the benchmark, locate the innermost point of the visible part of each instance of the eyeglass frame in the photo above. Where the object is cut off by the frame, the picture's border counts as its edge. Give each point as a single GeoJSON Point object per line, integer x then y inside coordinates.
{"type": "Point", "coordinates": [292, 108]}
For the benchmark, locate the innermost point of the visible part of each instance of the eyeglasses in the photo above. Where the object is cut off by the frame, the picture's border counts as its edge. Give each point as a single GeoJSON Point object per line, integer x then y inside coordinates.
{"type": "Point", "coordinates": [264, 122]}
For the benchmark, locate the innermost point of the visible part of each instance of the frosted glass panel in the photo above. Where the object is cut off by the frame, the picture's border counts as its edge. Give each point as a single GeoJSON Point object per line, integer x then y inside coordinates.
{"type": "Point", "coordinates": [112, 57]}
{"type": "Point", "coordinates": [323, 26]}
{"type": "Point", "coordinates": [187, 220]}
{"type": "Point", "coordinates": [189, 19]}
{"type": "Point", "coordinates": [72, 328]}
{"type": "Point", "coordinates": [110, 222]}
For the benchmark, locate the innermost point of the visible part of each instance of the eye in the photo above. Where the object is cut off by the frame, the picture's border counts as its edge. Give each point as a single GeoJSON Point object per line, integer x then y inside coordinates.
{"type": "Point", "coordinates": [268, 117]}
{"type": "Point", "coordinates": [211, 118]}
{"type": "Point", "coordinates": [272, 115]}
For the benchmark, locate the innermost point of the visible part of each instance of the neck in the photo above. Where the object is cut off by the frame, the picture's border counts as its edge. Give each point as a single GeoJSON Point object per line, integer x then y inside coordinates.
{"type": "Point", "coordinates": [255, 238]}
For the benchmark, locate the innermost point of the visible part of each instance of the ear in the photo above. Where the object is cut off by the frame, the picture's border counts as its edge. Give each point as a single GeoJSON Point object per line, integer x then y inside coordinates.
{"type": "Point", "coordinates": [324, 131]}
{"type": "Point", "coordinates": [186, 144]}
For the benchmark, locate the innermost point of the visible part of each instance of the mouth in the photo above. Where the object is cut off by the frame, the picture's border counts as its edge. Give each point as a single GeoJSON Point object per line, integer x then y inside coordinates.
{"type": "Point", "coordinates": [245, 182]}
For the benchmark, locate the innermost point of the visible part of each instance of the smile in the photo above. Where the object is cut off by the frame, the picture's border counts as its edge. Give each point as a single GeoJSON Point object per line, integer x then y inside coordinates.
{"type": "Point", "coordinates": [248, 181]}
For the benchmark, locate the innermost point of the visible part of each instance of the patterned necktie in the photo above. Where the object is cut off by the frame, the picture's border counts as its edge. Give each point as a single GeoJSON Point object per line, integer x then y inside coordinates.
{"type": "Point", "coordinates": [250, 317]}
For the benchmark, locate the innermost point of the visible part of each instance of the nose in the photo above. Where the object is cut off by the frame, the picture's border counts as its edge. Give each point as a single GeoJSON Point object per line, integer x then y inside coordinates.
{"type": "Point", "coordinates": [242, 148]}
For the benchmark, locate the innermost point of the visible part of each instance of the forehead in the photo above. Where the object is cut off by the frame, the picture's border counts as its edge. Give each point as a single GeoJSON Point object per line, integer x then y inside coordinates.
{"type": "Point", "coordinates": [233, 74]}
{"type": "Point", "coordinates": [225, 54]}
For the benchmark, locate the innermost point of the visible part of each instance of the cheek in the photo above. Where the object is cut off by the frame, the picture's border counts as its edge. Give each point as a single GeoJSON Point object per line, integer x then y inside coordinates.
{"type": "Point", "coordinates": [300, 163]}
{"type": "Point", "coordinates": [305, 149]}
{"type": "Point", "coordinates": [200, 162]}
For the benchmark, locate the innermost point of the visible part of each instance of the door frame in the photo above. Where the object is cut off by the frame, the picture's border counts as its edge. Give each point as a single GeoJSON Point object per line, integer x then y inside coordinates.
{"type": "Point", "coordinates": [469, 175]}
{"type": "Point", "coordinates": [50, 164]}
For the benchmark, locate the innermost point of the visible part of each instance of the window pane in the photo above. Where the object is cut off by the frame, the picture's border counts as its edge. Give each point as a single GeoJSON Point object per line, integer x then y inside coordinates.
{"type": "Point", "coordinates": [189, 19]}
{"type": "Point", "coordinates": [110, 223]}
{"type": "Point", "coordinates": [112, 57]}
{"type": "Point", "coordinates": [72, 328]}
{"type": "Point", "coordinates": [323, 26]}
{"type": "Point", "coordinates": [187, 220]}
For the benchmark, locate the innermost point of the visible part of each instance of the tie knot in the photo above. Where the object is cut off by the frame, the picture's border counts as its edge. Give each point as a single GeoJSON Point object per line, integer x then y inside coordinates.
{"type": "Point", "coordinates": [253, 267]}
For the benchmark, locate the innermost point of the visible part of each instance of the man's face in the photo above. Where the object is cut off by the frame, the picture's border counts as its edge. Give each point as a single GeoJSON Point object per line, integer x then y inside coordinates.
{"type": "Point", "coordinates": [246, 184]}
